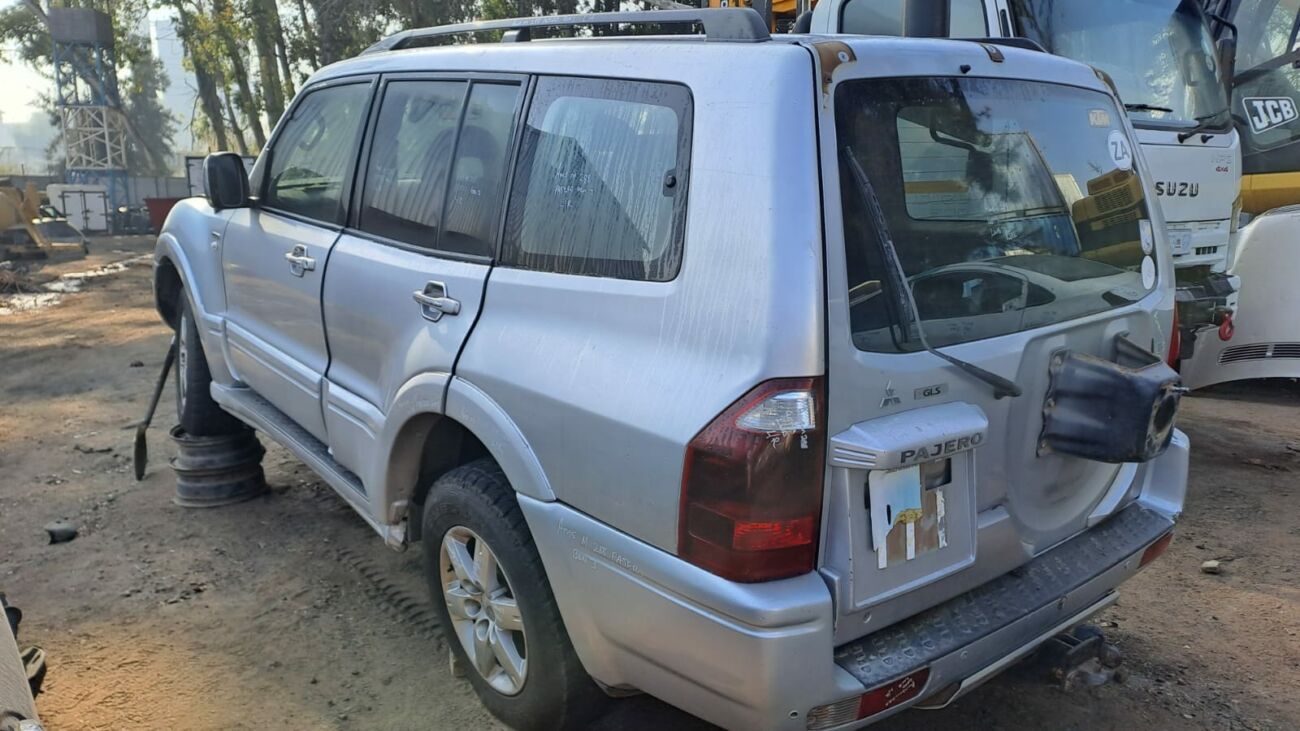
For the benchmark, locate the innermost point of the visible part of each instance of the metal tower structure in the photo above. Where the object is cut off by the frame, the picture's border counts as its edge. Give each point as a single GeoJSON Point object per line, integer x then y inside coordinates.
{"type": "Point", "coordinates": [85, 75]}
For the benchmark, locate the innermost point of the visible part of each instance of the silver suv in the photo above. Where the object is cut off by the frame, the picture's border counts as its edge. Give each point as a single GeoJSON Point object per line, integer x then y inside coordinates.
{"type": "Point", "coordinates": [793, 380]}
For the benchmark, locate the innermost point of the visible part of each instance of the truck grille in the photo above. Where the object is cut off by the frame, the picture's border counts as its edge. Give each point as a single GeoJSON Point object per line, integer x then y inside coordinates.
{"type": "Point", "coordinates": [1259, 351]}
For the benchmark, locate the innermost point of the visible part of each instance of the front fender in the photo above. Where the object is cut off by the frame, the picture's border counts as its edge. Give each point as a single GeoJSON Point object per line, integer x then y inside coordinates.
{"type": "Point", "coordinates": [187, 258]}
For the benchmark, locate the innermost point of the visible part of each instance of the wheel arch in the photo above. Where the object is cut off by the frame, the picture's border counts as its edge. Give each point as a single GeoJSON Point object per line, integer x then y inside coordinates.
{"type": "Point", "coordinates": [429, 444]}
{"type": "Point", "coordinates": [167, 288]}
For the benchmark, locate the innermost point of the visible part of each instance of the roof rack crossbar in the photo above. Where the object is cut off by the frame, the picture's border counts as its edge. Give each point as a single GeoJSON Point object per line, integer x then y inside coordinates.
{"type": "Point", "coordinates": [742, 25]}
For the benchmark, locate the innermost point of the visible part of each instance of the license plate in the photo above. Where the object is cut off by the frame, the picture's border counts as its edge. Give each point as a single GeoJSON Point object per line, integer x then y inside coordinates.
{"type": "Point", "coordinates": [907, 520]}
{"type": "Point", "coordinates": [1180, 242]}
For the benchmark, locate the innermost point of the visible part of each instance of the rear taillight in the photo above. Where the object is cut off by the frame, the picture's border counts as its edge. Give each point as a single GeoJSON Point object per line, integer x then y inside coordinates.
{"type": "Point", "coordinates": [752, 484]}
{"type": "Point", "coordinates": [873, 702]}
{"type": "Point", "coordinates": [1175, 343]}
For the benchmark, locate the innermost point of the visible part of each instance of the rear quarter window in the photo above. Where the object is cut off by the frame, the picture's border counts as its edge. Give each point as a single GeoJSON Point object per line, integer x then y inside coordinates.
{"type": "Point", "coordinates": [600, 185]}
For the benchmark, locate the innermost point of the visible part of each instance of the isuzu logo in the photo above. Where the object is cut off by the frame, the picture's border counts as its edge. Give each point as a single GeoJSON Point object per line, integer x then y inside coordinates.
{"type": "Point", "coordinates": [1267, 112]}
{"type": "Point", "coordinates": [1177, 188]}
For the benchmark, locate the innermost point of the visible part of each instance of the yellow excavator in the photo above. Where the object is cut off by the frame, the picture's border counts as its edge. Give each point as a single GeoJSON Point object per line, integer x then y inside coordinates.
{"type": "Point", "coordinates": [30, 229]}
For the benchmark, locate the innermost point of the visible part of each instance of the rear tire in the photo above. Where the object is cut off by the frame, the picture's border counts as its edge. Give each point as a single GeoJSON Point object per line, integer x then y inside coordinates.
{"type": "Point", "coordinates": [472, 512]}
{"type": "Point", "coordinates": [196, 412]}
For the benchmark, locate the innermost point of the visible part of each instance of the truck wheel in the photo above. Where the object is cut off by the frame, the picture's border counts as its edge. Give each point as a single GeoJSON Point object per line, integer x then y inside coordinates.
{"type": "Point", "coordinates": [197, 413]}
{"type": "Point", "coordinates": [497, 611]}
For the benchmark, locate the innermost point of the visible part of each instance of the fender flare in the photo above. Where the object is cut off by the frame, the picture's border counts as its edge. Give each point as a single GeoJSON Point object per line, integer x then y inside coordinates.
{"type": "Point", "coordinates": [476, 411]}
{"type": "Point", "coordinates": [169, 251]}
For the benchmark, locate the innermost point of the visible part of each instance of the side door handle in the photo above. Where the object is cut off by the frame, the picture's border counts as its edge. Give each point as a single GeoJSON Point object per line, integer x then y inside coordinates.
{"type": "Point", "coordinates": [434, 302]}
{"type": "Point", "coordinates": [299, 262]}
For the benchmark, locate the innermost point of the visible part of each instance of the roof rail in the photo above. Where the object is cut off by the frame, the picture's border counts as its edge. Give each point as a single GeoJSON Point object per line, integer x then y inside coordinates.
{"type": "Point", "coordinates": [742, 25]}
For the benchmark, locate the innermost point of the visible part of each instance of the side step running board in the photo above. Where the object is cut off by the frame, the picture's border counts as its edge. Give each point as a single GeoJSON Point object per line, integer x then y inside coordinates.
{"type": "Point", "coordinates": [258, 413]}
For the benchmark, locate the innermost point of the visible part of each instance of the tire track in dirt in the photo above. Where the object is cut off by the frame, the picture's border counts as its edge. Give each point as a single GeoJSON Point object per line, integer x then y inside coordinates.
{"type": "Point", "coordinates": [399, 603]}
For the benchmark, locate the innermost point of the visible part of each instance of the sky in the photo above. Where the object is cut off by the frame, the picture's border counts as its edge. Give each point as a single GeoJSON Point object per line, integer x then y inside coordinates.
{"type": "Point", "coordinates": [21, 87]}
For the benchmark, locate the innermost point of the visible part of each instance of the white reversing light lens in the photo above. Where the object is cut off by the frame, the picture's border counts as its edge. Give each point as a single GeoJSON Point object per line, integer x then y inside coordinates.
{"type": "Point", "coordinates": [782, 412]}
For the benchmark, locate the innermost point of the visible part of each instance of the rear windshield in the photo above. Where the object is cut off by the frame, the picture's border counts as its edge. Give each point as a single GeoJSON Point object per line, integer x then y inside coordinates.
{"type": "Point", "coordinates": [1011, 204]}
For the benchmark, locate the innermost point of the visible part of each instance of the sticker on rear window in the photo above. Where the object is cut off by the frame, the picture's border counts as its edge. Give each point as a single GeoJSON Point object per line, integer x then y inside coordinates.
{"type": "Point", "coordinates": [1098, 118]}
{"type": "Point", "coordinates": [1120, 152]}
{"type": "Point", "coordinates": [1148, 272]}
{"type": "Point", "coordinates": [1148, 238]}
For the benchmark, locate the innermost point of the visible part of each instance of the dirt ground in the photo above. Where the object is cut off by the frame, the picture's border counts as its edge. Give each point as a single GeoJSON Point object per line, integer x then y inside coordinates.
{"type": "Point", "coordinates": [287, 612]}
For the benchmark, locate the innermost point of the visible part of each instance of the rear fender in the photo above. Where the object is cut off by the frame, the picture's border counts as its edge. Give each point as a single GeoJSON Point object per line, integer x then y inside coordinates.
{"type": "Point", "coordinates": [473, 408]}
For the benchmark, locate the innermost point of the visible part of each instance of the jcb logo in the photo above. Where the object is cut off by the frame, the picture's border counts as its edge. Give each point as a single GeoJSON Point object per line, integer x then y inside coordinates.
{"type": "Point", "coordinates": [1267, 112]}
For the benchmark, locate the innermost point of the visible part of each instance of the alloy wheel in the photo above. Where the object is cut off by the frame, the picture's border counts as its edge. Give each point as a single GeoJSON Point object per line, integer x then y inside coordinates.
{"type": "Point", "coordinates": [483, 610]}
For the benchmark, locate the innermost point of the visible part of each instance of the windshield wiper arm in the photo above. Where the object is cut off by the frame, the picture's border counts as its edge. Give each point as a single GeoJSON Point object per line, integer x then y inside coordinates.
{"type": "Point", "coordinates": [1147, 108]}
{"type": "Point", "coordinates": [1202, 124]}
{"type": "Point", "coordinates": [1001, 386]}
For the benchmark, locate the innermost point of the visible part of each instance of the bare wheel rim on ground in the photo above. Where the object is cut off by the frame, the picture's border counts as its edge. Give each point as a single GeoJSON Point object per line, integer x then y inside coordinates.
{"type": "Point", "coordinates": [484, 614]}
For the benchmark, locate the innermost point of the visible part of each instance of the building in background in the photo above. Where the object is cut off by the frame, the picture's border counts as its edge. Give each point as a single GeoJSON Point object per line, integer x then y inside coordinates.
{"type": "Point", "coordinates": [180, 97]}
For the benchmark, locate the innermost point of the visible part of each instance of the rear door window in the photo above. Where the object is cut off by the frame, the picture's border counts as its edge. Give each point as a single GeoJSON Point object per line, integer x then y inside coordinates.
{"type": "Point", "coordinates": [478, 176]}
{"type": "Point", "coordinates": [436, 171]}
{"type": "Point", "coordinates": [406, 174]}
{"type": "Point", "coordinates": [600, 187]}
{"type": "Point", "coordinates": [313, 156]}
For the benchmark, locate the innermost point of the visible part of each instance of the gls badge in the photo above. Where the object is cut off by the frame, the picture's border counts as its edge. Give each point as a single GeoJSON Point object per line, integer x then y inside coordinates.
{"type": "Point", "coordinates": [1267, 112]}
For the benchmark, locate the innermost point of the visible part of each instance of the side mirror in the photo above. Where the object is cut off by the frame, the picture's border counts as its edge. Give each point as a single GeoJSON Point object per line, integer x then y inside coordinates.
{"type": "Point", "coordinates": [225, 180]}
{"type": "Point", "coordinates": [1226, 49]}
{"type": "Point", "coordinates": [926, 18]}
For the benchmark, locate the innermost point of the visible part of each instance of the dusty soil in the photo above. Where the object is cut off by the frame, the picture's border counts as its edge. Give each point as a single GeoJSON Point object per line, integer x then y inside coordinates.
{"type": "Point", "coordinates": [287, 612]}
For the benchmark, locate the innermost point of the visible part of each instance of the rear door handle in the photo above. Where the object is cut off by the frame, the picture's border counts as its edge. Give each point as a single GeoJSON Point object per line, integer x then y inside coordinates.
{"type": "Point", "coordinates": [434, 302]}
{"type": "Point", "coordinates": [299, 262]}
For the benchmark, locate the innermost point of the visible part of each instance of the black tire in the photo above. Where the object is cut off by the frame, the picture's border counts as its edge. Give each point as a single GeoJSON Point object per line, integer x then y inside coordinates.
{"type": "Point", "coordinates": [556, 692]}
{"type": "Point", "coordinates": [196, 412]}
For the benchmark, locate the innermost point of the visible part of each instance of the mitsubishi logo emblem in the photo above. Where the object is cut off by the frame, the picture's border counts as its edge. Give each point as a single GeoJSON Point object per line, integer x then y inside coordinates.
{"type": "Point", "coordinates": [890, 398]}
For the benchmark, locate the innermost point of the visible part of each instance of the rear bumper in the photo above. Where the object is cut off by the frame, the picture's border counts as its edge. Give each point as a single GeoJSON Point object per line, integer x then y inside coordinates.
{"type": "Point", "coordinates": [761, 656]}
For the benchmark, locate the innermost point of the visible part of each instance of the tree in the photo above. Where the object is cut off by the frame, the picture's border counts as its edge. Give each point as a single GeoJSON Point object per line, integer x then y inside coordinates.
{"type": "Point", "coordinates": [140, 102]}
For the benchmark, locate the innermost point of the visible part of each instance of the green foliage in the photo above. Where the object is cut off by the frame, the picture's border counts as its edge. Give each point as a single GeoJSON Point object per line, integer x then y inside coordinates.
{"type": "Point", "coordinates": [141, 99]}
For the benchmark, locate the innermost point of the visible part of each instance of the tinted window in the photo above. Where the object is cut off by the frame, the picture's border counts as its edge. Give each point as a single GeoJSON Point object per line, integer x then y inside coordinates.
{"type": "Point", "coordinates": [406, 178]}
{"type": "Point", "coordinates": [601, 184]}
{"type": "Point", "coordinates": [1159, 53]}
{"type": "Point", "coordinates": [1012, 205]}
{"type": "Point", "coordinates": [478, 180]}
{"type": "Point", "coordinates": [1266, 95]}
{"type": "Point", "coordinates": [1267, 30]}
{"type": "Point", "coordinates": [312, 157]}
{"type": "Point", "coordinates": [885, 18]}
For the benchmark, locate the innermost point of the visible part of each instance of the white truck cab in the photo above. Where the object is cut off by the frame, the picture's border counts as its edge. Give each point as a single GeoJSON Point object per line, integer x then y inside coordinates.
{"type": "Point", "coordinates": [1162, 59]}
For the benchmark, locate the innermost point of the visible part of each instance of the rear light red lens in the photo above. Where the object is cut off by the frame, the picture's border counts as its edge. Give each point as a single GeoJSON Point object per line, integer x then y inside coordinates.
{"type": "Point", "coordinates": [752, 484]}
{"type": "Point", "coordinates": [1175, 342]}
{"type": "Point", "coordinates": [1157, 549]}
{"type": "Point", "coordinates": [889, 695]}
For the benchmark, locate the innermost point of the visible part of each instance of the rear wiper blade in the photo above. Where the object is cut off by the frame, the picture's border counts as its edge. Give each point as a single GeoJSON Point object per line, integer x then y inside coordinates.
{"type": "Point", "coordinates": [1001, 386]}
{"type": "Point", "coordinates": [1147, 108]}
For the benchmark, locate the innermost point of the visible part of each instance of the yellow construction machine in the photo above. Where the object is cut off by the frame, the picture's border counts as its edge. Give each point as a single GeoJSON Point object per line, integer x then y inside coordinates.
{"type": "Point", "coordinates": [30, 229]}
